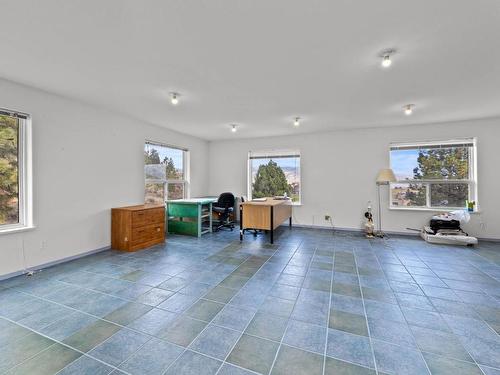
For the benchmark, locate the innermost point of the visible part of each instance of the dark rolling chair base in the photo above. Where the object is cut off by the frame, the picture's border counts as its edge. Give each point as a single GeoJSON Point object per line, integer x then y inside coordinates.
{"type": "Point", "coordinates": [255, 232]}
{"type": "Point", "coordinates": [218, 227]}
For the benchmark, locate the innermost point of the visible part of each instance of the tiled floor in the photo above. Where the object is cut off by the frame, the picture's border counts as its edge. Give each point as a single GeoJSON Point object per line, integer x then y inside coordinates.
{"type": "Point", "coordinates": [314, 303]}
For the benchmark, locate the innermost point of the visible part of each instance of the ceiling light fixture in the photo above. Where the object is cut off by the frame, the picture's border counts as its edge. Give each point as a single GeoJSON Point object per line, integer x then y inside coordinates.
{"type": "Point", "coordinates": [296, 122]}
{"type": "Point", "coordinates": [409, 109]}
{"type": "Point", "coordinates": [174, 98]}
{"type": "Point", "coordinates": [234, 128]}
{"type": "Point", "coordinates": [386, 57]}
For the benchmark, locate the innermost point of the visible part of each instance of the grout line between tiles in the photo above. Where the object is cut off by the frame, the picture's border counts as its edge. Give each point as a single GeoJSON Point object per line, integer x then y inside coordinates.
{"type": "Point", "coordinates": [294, 305]}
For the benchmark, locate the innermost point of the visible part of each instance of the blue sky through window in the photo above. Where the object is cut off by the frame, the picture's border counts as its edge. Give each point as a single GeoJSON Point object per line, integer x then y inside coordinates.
{"type": "Point", "coordinates": [403, 162]}
{"type": "Point", "coordinates": [282, 162]}
{"type": "Point", "coordinates": [175, 154]}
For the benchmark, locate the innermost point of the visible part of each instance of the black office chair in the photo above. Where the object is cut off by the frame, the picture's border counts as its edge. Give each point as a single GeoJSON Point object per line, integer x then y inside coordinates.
{"type": "Point", "coordinates": [223, 208]}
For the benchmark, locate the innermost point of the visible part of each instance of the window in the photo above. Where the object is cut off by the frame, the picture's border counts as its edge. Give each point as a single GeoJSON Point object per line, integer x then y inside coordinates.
{"type": "Point", "coordinates": [15, 168]}
{"type": "Point", "coordinates": [274, 173]}
{"type": "Point", "coordinates": [165, 173]}
{"type": "Point", "coordinates": [434, 174]}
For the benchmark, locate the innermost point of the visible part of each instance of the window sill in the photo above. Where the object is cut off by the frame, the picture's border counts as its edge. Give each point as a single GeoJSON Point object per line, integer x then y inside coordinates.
{"type": "Point", "coordinates": [426, 209]}
{"type": "Point", "coordinates": [16, 229]}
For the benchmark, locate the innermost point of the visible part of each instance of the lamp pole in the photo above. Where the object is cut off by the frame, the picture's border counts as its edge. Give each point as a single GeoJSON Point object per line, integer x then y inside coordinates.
{"type": "Point", "coordinates": [379, 234]}
{"type": "Point", "coordinates": [385, 177]}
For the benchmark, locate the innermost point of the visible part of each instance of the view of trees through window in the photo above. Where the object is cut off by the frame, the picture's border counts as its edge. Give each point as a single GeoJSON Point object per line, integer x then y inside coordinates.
{"type": "Point", "coordinates": [9, 170]}
{"type": "Point", "coordinates": [433, 176]}
{"type": "Point", "coordinates": [276, 175]}
{"type": "Point", "coordinates": [164, 173]}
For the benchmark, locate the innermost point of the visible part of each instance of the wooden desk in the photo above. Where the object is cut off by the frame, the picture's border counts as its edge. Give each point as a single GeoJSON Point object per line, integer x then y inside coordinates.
{"type": "Point", "coordinates": [266, 215]}
{"type": "Point", "coordinates": [190, 216]}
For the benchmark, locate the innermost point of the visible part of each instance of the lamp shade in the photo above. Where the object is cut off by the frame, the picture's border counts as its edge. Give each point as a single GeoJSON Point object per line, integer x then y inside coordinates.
{"type": "Point", "coordinates": [385, 176]}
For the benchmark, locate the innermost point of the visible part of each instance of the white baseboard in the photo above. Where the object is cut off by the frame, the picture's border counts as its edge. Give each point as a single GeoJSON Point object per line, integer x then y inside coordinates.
{"type": "Point", "coordinates": [358, 230]}
{"type": "Point", "coordinates": [53, 263]}
{"type": "Point", "coordinates": [346, 229]}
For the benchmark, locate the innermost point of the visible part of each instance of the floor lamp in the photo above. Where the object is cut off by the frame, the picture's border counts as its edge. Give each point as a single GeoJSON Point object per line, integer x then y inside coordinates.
{"type": "Point", "coordinates": [384, 177]}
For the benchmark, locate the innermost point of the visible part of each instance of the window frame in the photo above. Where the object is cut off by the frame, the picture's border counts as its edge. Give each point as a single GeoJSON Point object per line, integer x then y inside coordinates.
{"type": "Point", "coordinates": [269, 154]}
{"type": "Point", "coordinates": [167, 181]}
{"type": "Point", "coordinates": [471, 181]}
{"type": "Point", "coordinates": [25, 173]}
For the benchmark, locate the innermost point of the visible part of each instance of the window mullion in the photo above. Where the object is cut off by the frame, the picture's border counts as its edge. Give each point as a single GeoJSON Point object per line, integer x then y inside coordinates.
{"type": "Point", "coordinates": [428, 195]}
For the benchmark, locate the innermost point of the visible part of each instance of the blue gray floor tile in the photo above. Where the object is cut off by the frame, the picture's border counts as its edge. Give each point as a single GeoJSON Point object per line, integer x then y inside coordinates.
{"type": "Point", "coordinates": [315, 302]}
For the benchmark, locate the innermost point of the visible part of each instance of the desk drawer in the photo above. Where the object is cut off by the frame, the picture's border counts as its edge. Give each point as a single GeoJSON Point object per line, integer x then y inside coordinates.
{"type": "Point", "coordinates": [148, 233]}
{"type": "Point", "coordinates": [147, 217]}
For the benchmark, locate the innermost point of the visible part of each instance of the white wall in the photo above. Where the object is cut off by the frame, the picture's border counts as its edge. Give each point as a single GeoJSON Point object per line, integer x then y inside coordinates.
{"type": "Point", "coordinates": [338, 171]}
{"type": "Point", "coordinates": [85, 161]}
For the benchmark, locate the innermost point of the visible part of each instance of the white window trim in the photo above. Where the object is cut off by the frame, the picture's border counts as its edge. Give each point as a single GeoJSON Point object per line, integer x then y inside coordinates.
{"type": "Point", "coordinates": [25, 173]}
{"type": "Point", "coordinates": [186, 167]}
{"type": "Point", "coordinates": [271, 153]}
{"type": "Point", "coordinates": [472, 181]}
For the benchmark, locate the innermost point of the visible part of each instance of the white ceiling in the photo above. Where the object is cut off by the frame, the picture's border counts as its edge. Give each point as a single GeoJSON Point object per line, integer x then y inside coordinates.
{"type": "Point", "coordinates": [259, 63]}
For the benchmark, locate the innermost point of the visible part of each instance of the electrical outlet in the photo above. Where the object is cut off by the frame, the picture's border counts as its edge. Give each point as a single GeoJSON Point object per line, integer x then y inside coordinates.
{"type": "Point", "coordinates": [43, 245]}
{"type": "Point", "coordinates": [327, 217]}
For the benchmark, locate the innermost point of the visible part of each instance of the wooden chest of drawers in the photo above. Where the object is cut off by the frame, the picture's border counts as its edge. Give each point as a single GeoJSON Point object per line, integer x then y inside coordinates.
{"type": "Point", "coordinates": [137, 227]}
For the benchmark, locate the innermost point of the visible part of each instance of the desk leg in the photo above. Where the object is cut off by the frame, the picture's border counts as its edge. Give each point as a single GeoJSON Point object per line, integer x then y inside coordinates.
{"type": "Point", "coordinates": [241, 222]}
{"type": "Point", "coordinates": [199, 220]}
{"type": "Point", "coordinates": [272, 225]}
{"type": "Point", "coordinates": [290, 222]}
{"type": "Point", "coordinates": [210, 217]}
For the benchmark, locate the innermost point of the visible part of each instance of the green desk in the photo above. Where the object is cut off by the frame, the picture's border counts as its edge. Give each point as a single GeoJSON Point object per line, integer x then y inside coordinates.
{"type": "Point", "coordinates": [190, 216]}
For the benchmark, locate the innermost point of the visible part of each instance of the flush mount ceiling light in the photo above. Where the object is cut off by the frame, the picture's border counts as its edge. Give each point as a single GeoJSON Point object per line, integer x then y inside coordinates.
{"type": "Point", "coordinates": [234, 128]}
{"type": "Point", "coordinates": [386, 57]}
{"type": "Point", "coordinates": [408, 109]}
{"type": "Point", "coordinates": [174, 98]}
{"type": "Point", "coordinates": [296, 122]}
